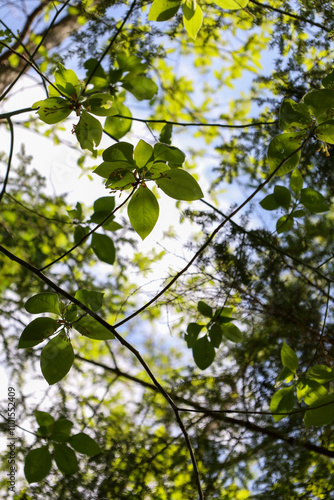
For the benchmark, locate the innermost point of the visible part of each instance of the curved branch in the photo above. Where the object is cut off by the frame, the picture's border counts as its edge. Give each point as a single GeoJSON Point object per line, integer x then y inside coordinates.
{"type": "Point", "coordinates": [126, 344]}
{"type": "Point", "coordinates": [213, 234]}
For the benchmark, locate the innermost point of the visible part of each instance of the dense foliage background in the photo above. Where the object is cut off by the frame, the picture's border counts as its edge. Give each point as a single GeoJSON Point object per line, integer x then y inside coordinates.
{"type": "Point", "coordinates": [218, 384]}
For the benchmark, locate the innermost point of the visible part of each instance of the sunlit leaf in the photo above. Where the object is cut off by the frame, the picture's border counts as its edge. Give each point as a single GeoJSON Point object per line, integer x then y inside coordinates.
{"type": "Point", "coordinates": [162, 10]}
{"type": "Point", "coordinates": [281, 147]}
{"type": "Point", "coordinates": [53, 109]}
{"type": "Point", "coordinates": [143, 211]}
{"type": "Point", "coordinates": [289, 358]}
{"type": "Point", "coordinates": [192, 19]}
{"type": "Point", "coordinates": [179, 185]}
{"type": "Point", "coordinates": [282, 402]}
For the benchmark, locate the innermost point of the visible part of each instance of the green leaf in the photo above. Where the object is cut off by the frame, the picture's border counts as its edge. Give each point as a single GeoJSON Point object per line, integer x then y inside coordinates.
{"type": "Point", "coordinates": [122, 151]}
{"type": "Point", "coordinates": [164, 152]}
{"type": "Point", "coordinates": [103, 208]}
{"type": "Point", "coordinates": [193, 330]}
{"type": "Point", "coordinates": [285, 375]}
{"type": "Point", "coordinates": [320, 373]}
{"type": "Point", "coordinates": [89, 132]}
{"type": "Point", "coordinates": [130, 62]}
{"type": "Point", "coordinates": [65, 458]}
{"type": "Point", "coordinates": [162, 10]}
{"type": "Point", "coordinates": [298, 213]}
{"type": "Point", "coordinates": [204, 309]}
{"type": "Point", "coordinates": [99, 78]}
{"type": "Point", "coordinates": [53, 109]}
{"type": "Point", "coordinates": [104, 204]}
{"type": "Point", "coordinates": [140, 86]}
{"type": "Point", "coordinates": [310, 391]}
{"type": "Point", "coordinates": [280, 148]}
{"type": "Point", "coordinates": [294, 115]}
{"type": "Point", "coordinates": [231, 4]}
{"type": "Point", "coordinates": [179, 185]}
{"type": "Point", "coordinates": [101, 105]}
{"type": "Point", "coordinates": [76, 213]}
{"type": "Point", "coordinates": [319, 101]}
{"type": "Point", "coordinates": [83, 443]}
{"type": "Point", "coordinates": [90, 298]}
{"type": "Point", "coordinates": [284, 223]}
{"type": "Point", "coordinates": [166, 133]}
{"type": "Point", "coordinates": [43, 302]}
{"type": "Point", "coordinates": [328, 81]}
{"type": "Point", "coordinates": [269, 202]}
{"type": "Point", "coordinates": [37, 331]}
{"type": "Point", "coordinates": [90, 328]}
{"type": "Point", "coordinates": [106, 169]}
{"type": "Point", "coordinates": [61, 430]}
{"type": "Point", "coordinates": [232, 333]}
{"type": "Point", "coordinates": [192, 19]}
{"type": "Point", "coordinates": [37, 464]}
{"type": "Point", "coordinates": [121, 179]}
{"type": "Point", "coordinates": [320, 416]}
{"type": "Point", "coordinates": [44, 418]}
{"type": "Point", "coordinates": [282, 401]}
{"type": "Point", "coordinates": [203, 352]}
{"type": "Point", "coordinates": [313, 201]}
{"type": "Point", "coordinates": [79, 233]}
{"type": "Point", "coordinates": [56, 359]}
{"type": "Point", "coordinates": [103, 247]}
{"type": "Point", "coordinates": [216, 334]}
{"type": "Point", "coordinates": [117, 127]}
{"type": "Point", "coordinates": [325, 131]}
{"type": "Point", "coordinates": [296, 181]}
{"type": "Point", "coordinates": [282, 196]}
{"type": "Point", "coordinates": [289, 358]}
{"type": "Point", "coordinates": [142, 153]}
{"type": "Point", "coordinates": [68, 82]}
{"type": "Point", "coordinates": [143, 211]}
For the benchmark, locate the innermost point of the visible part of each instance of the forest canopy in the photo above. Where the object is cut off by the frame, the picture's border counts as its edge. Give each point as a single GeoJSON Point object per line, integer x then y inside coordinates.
{"type": "Point", "coordinates": [173, 338]}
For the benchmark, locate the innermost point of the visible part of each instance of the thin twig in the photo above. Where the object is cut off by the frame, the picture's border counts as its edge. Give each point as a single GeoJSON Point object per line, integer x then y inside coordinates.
{"type": "Point", "coordinates": [89, 234]}
{"type": "Point", "coordinates": [213, 234]}
{"type": "Point", "coordinates": [11, 128]}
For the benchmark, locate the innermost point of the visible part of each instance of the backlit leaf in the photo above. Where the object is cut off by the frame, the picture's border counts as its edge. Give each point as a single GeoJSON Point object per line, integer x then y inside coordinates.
{"type": "Point", "coordinates": [53, 109]}
{"type": "Point", "coordinates": [203, 352]}
{"type": "Point", "coordinates": [289, 358]}
{"type": "Point", "coordinates": [65, 458]}
{"type": "Point", "coordinates": [143, 211]}
{"type": "Point", "coordinates": [282, 401]}
{"type": "Point", "coordinates": [90, 298]}
{"type": "Point", "coordinates": [57, 358]}
{"type": "Point", "coordinates": [320, 416]}
{"type": "Point", "coordinates": [91, 329]}
{"type": "Point", "coordinates": [280, 148]}
{"type": "Point", "coordinates": [84, 444]}
{"type": "Point", "coordinates": [43, 302]}
{"type": "Point", "coordinates": [179, 185]}
{"type": "Point", "coordinates": [89, 132]}
{"type": "Point", "coordinates": [101, 105]}
{"type": "Point", "coordinates": [192, 19]}
{"type": "Point", "coordinates": [162, 10]}
{"type": "Point", "coordinates": [103, 247]}
{"type": "Point", "coordinates": [35, 332]}
{"type": "Point", "coordinates": [37, 464]}
{"type": "Point", "coordinates": [313, 201]}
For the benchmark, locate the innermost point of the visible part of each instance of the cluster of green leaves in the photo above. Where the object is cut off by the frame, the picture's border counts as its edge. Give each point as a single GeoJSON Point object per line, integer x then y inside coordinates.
{"type": "Point", "coordinates": [5, 36]}
{"type": "Point", "coordinates": [312, 116]}
{"type": "Point", "coordinates": [38, 461]}
{"type": "Point", "coordinates": [163, 10]}
{"type": "Point", "coordinates": [101, 244]}
{"type": "Point", "coordinates": [311, 387]}
{"type": "Point", "coordinates": [69, 94]}
{"type": "Point", "coordinates": [57, 355]}
{"type": "Point", "coordinates": [219, 325]}
{"type": "Point", "coordinates": [296, 201]}
{"type": "Point", "coordinates": [126, 167]}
